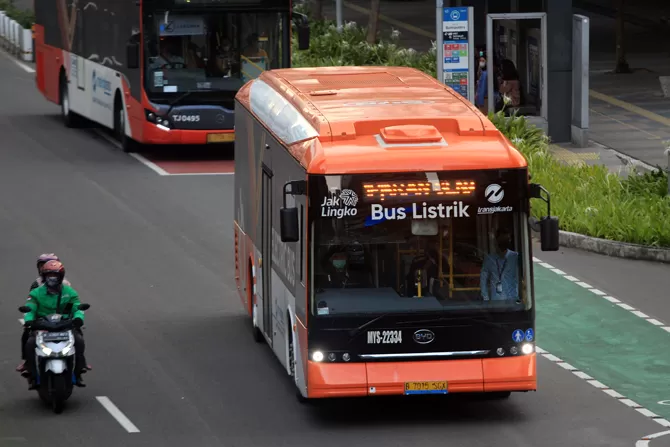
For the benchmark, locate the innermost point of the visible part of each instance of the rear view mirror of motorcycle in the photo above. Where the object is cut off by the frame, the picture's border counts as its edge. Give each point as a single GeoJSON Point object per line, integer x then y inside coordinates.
{"type": "Point", "coordinates": [24, 309]}
{"type": "Point", "coordinates": [84, 306]}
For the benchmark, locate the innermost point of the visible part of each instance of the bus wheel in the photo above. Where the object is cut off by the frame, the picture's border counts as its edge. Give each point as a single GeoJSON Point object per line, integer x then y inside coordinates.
{"type": "Point", "coordinates": [70, 118]}
{"type": "Point", "coordinates": [256, 333]}
{"type": "Point", "coordinates": [127, 144]}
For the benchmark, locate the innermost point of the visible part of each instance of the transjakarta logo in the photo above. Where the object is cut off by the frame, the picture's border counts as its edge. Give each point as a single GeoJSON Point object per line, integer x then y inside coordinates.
{"type": "Point", "coordinates": [101, 83]}
{"type": "Point", "coordinates": [423, 211]}
{"type": "Point", "coordinates": [494, 193]}
{"type": "Point", "coordinates": [341, 206]}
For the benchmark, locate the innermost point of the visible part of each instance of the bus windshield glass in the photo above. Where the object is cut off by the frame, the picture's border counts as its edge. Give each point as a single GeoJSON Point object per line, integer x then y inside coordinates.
{"type": "Point", "coordinates": [432, 242]}
{"type": "Point", "coordinates": [212, 51]}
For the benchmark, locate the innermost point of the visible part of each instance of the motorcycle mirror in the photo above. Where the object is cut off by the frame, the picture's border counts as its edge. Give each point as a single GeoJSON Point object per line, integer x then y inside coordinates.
{"type": "Point", "coordinates": [24, 309]}
{"type": "Point", "coordinates": [84, 306]}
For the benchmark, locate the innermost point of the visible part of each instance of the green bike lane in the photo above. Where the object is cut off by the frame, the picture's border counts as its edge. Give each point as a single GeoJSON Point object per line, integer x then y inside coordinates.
{"type": "Point", "coordinates": [623, 351]}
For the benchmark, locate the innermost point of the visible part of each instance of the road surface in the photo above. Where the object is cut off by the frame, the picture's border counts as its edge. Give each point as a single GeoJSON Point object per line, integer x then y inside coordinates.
{"type": "Point", "coordinates": [173, 357]}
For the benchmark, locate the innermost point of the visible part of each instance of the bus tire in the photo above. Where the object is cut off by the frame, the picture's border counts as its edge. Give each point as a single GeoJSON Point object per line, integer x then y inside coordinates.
{"type": "Point", "coordinates": [70, 118]}
{"type": "Point", "coordinates": [255, 332]}
{"type": "Point", "coordinates": [127, 144]}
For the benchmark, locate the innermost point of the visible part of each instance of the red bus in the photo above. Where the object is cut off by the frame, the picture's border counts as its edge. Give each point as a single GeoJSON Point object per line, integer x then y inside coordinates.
{"type": "Point", "coordinates": [159, 71]}
{"type": "Point", "coordinates": [382, 235]}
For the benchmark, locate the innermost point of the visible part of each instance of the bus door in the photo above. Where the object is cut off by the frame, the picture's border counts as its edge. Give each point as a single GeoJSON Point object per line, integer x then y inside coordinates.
{"type": "Point", "coordinates": [266, 249]}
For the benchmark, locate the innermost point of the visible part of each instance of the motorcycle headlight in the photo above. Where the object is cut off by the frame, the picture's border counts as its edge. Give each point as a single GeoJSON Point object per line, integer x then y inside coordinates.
{"type": "Point", "coordinates": [48, 352]}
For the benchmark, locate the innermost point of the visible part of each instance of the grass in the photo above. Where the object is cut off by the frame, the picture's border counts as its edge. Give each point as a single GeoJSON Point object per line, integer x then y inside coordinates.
{"type": "Point", "coordinates": [25, 17]}
{"type": "Point", "coordinates": [587, 199]}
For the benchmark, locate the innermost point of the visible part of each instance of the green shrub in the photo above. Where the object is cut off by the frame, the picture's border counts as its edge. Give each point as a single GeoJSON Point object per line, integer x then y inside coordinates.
{"type": "Point", "coordinates": [587, 199]}
{"type": "Point", "coordinates": [25, 17]}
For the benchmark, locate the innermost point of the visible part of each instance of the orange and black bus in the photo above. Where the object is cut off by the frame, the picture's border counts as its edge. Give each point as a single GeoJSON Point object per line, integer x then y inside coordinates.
{"type": "Point", "coordinates": [383, 235]}
{"type": "Point", "coordinates": [159, 71]}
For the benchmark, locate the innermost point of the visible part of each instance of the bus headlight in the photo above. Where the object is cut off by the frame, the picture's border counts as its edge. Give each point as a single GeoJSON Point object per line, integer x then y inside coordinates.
{"type": "Point", "coordinates": [527, 348]}
{"type": "Point", "coordinates": [317, 356]}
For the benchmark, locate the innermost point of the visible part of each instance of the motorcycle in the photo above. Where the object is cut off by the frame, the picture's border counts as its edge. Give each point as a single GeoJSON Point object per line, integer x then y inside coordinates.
{"type": "Point", "coordinates": [54, 356]}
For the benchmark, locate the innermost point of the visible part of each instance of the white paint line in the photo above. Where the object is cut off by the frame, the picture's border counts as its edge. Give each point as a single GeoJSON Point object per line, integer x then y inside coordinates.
{"type": "Point", "coordinates": [585, 285]}
{"type": "Point", "coordinates": [625, 306]}
{"type": "Point", "coordinates": [545, 265]}
{"type": "Point", "coordinates": [536, 259]}
{"type": "Point", "coordinates": [597, 384]}
{"type": "Point", "coordinates": [153, 166]}
{"type": "Point", "coordinates": [582, 375]}
{"type": "Point", "coordinates": [567, 366]}
{"type": "Point", "coordinates": [644, 442]}
{"type": "Point", "coordinates": [558, 271]}
{"type": "Point", "coordinates": [666, 328]}
{"type": "Point", "coordinates": [640, 314]}
{"type": "Point", "coordinates": [551, 357]}
{"type": "Point", "coordinates": [20, 64]}
{"type": "Point", "coordinates": [571, 278]}
{"type": "Point", "coordinates": [102, 134]}
{"type": "Point", "coordinates": [611, 299]}
{"type": "Point", "coordinates": [201, 173]}
{"type": "Point", "coordinates": [117, 414]}
{"type": "Point", "coordinates": [645, 412]}
{"type": "Point", "coordinates": [21, 321]}
{"type": "Point", "coordinates": [655, 322]}
{"type": "Point", "coordinates": [630, 403]}
{"type": "Point", "coordinates": [598, 292]}
{"type": "Point", "coordinates": [613, 393]}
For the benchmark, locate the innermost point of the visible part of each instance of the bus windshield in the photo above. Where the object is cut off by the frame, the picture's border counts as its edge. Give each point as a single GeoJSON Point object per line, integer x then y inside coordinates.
{"type": "Point", "coordinates": [220, 51]}
{"type": "Point", "coordinates": [399, 255]}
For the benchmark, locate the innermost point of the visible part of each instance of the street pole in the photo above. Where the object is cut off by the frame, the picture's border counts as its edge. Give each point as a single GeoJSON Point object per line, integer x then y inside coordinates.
{"type": "Point", "coordinates": [338, 14]}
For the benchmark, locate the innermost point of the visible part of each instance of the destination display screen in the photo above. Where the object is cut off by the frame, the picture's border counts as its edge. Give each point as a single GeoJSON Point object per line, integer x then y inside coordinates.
{"type": "Point", "coordinates": [401, 189]}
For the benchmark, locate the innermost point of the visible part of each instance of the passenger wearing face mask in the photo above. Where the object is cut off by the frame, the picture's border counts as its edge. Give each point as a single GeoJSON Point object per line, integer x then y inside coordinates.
{"type": "Point", "coordinates": [342, 274]}
{"type": "Point", "coordinates": [499, 279]}
{"type": "Point", "coordinates": [52, 297]}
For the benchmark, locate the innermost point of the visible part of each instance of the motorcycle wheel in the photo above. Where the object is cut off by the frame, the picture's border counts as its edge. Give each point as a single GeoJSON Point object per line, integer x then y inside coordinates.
{"type": "Point", "coordinates": [58, 392]}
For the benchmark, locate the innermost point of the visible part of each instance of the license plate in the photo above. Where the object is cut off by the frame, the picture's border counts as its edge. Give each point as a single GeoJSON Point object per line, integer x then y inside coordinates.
{"type": "Point", "coordinates": [56, 336]}
{"type": "Point", "coordinates": [221, 137]}
{"type": "Point", "coordinates": [439, 387]}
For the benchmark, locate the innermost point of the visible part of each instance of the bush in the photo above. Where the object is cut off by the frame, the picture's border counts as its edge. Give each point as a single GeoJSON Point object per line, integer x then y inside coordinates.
{"type": "Point", "coordinates": [25, 17]}
{"type": "Point", "coordinates": [587, 199]}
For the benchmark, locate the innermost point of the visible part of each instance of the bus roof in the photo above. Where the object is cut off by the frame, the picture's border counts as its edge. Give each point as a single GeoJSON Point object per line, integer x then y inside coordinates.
{"type": "Point", "coordinates": [376, 119]}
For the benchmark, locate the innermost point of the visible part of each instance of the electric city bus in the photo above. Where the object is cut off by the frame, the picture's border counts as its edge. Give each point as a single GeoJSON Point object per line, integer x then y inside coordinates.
{"type": "Point", "coordinates": [159, 71]}
{"type": "Point", "coordinates": [383, 235]}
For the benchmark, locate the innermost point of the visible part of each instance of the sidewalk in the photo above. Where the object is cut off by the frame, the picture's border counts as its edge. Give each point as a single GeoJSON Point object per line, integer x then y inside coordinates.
{"type": "Point", "coordinates": [628, 113]}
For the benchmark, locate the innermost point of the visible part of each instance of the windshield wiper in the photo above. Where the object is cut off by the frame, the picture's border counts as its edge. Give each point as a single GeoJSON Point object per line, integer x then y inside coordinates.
{"type": "Point", "coordinates": [442, 319]}
{"type": "Point", "coordinates": [180, 98]}
{"type": "Point", "coordinates": [359, 329]}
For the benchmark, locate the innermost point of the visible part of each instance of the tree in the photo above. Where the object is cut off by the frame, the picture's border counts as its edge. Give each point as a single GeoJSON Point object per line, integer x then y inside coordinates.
{"type": "Point", "coordinates": [373, 22]}
{"type": "Point", "coordinates": [621, 63]}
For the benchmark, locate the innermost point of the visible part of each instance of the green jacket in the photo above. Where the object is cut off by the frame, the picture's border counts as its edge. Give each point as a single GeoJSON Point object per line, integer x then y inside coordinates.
{"type": "Point", "coordinates": [43, 303]}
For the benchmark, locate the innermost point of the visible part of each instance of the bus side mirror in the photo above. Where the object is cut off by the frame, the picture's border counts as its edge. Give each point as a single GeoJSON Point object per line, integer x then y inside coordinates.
{"type": "Point", "coordinates": [549, 233]}
{"type": "Point", "coordinates": [549, 229]}
{"type": "Point", "coordinates": [302, 25]}
{"type": "Point", "coordinates": [288, 223]}
{"type": "Point", "coordinates": [133, 55]}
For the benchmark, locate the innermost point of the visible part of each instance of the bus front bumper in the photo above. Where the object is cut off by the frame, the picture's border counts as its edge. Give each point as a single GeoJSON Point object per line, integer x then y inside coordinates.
{"type": "Point", "coordinates": [389, 378]}
{"type": "Point", "coordinates": [155, 135]}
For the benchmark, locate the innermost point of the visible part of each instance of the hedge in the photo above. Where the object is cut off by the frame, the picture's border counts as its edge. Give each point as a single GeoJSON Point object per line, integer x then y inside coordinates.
{"type": "Point", "coordinates": [25, 17]}
{"type": "Point", "coordinates": [587, 199]}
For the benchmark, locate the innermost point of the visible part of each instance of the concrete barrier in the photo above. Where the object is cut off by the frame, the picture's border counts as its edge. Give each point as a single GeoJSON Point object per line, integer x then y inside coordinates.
{"type": "Point", "coordinates": [15, 39]}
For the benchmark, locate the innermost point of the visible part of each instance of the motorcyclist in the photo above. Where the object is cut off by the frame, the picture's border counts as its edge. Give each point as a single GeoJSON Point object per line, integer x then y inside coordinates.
{"type": "Point", "coordinates": [52, 297]}
{"type": "Point", "coordinates": [41, 260]}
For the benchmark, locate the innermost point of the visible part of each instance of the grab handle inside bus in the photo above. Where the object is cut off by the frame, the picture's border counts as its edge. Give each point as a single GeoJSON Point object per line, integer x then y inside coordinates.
{"type": "Point", "coordinates": [288, 216]}
{"type": "Point", "coordinates": [548, 225]}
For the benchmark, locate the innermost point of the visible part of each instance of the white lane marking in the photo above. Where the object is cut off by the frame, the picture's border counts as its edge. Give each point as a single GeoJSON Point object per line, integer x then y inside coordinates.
{"type": "Point", "coordinates": [644, 442]}
{"type": "Point", "coordinates": [20, 64]}
{"type": "Point", "coordinates": [22, 321]}
{"type": "Point", "coordinates": [153, 166]}
{"type": "Point", "coordinates": [610, 392]}
{"type": "Point", "coordinates": [117, 414]}
{"type": "Point", "coordinates": [149, 164]}
{"type": "Point", "coordinates": [604, 295]}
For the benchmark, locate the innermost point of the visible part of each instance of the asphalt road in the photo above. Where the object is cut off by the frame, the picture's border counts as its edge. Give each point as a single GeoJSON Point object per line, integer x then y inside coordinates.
{"type": "Point", "coordinates": [166, 335]}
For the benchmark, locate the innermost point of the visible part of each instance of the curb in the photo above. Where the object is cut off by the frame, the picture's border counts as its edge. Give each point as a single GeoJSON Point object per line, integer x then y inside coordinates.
{"type": "Point", "coordinates": [614, 248]}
